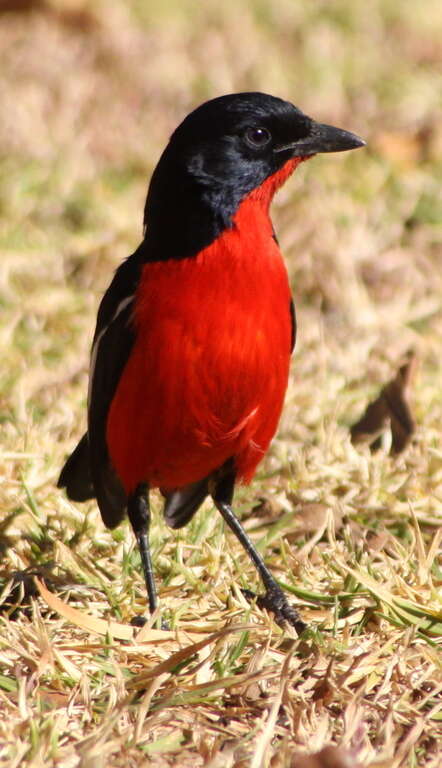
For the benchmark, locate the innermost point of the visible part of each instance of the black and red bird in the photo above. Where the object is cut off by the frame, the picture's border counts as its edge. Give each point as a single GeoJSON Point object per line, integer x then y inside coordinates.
{"type": "Point", "coordinates": [191, 352]}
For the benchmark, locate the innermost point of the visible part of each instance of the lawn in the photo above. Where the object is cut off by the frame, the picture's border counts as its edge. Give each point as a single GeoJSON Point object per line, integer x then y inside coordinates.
{"type": "Point", "coordinates": [89, 93]}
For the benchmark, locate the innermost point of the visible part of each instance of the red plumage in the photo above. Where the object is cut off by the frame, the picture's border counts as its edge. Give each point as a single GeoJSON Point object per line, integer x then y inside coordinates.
{"type": "Point", "coordinates": [208, 372]}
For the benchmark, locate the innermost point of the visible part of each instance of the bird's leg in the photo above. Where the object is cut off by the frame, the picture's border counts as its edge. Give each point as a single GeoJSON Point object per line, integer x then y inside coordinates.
{"type": "Point", "coordinates": [138, 512]}
{"type": "Point", "coordinates": [274, 599]}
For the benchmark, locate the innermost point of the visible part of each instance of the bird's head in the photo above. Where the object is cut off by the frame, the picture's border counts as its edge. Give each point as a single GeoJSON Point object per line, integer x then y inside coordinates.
{"type": "Point", "coordinates": [228, 147]}
{"type": "Point", "coordinates": [241, 139]}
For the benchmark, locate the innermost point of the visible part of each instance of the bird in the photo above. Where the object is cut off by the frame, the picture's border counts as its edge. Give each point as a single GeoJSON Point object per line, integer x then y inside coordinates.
{"type": "Point", "coordinates": [190, 358]}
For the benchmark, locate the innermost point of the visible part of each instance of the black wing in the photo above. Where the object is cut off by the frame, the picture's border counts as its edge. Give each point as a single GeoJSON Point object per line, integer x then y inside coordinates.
{"type": "Point", "coordinates": [88, 472]}
{"type": "Point", "coordinates": [293, 319]}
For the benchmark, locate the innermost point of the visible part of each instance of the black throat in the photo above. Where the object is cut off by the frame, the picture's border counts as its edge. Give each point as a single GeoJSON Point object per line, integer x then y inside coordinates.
{"type": "Point", "coordinates": [184, 214]}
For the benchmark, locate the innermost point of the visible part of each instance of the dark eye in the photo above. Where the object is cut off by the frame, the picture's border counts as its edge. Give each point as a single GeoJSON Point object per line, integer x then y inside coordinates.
{"type": "Point", "coordinates": [257, 137]}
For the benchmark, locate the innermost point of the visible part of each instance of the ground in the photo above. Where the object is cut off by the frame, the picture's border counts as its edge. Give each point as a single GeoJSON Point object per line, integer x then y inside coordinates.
{"type": "Point", "coordinates": [89, 93]}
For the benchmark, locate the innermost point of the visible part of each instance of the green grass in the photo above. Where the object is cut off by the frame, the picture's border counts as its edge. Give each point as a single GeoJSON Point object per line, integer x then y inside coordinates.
{"type": "Point", "coordinates": [89, 93]}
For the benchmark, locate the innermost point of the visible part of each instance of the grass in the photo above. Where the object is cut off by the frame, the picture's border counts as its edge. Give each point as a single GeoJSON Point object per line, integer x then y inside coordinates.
{"type": "Point", "coordinates": [89, 94]}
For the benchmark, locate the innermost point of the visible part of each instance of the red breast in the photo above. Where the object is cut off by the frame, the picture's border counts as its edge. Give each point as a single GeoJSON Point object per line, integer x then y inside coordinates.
{"type": "Point", "coordinates": [208, 373]}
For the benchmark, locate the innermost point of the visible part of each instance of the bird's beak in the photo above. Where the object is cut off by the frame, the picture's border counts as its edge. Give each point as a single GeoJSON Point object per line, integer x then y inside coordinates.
{"type": "Point", "coordinates": [322, 138]}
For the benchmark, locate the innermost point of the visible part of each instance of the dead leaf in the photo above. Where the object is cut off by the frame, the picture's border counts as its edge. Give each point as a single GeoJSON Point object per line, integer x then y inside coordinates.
{"type": "Point", "coordinates": [73, 14]}
{"type": "Point", "coordinates": [22, 6]}
{"type": "Point", "coordinates": [405, 149]}
{"type": "Point", "coordinates": [264, 507]}
{"type": "Point", "coordinates": [328, 757]}
{"type": "Point", "coordinates": [376, 542]}
{"type": "Point", "coordinates": [86, 621]}
{"type": "Point", "coordinates": [103, 627]}
{"type": "Point", "coordinates": [392, 405]}
{"type": "Point", "coordinates": [53, 699]}
{"type": "Point", "coordinates": [311, 517]}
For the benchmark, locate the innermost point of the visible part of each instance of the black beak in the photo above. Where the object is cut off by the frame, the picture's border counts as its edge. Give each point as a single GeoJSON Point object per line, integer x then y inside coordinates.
{"type": "Point", "coordinates": [323, 138]}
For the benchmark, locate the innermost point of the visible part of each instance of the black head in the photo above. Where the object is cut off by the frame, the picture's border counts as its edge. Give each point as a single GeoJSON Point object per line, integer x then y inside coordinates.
{"type": "Point", "coordinates": [221, 152]}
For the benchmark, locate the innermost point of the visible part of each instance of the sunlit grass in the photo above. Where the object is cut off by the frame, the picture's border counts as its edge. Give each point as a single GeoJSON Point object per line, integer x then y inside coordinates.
{"type": "Point", "coordinates": [89, 94]}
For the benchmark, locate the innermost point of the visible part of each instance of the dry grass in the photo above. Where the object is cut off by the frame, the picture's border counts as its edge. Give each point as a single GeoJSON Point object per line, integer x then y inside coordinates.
{"type": "Point", "coordinates": [89, 92]}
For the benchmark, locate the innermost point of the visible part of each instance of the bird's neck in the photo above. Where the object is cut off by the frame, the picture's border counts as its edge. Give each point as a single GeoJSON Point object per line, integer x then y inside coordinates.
{"type": "Point", "coordinates": [181, 218]}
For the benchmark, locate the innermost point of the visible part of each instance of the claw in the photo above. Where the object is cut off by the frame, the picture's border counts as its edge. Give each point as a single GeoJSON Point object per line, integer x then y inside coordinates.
{"type": "Point", "coordinates": [275, 601]}
{"type": "Point", "coordinates": [141, 621]}
{"type": "Point", "coordinates": [138, 621]}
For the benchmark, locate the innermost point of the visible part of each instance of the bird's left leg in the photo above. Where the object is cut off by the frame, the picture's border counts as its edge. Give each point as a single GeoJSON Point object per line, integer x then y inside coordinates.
{"type": "Point", "coordinates": [274, 598]}
{"type": "Point", "coordinates": [138, 511]}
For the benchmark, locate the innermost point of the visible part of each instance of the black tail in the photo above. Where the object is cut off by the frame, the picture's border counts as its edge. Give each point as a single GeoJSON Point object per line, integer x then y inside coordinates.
{"type": "Point", "coordinates": [76, 475]}
{"type": "Point", "coordinates": [182, 504]}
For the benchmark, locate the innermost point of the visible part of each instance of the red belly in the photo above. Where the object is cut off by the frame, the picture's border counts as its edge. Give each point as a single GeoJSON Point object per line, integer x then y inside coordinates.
{"type": "Point", "coordinates": [207, 376]}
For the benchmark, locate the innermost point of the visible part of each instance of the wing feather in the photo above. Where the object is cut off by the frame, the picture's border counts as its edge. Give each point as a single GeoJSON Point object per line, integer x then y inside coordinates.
{"type": "Point", "coordinates": [88, 471]}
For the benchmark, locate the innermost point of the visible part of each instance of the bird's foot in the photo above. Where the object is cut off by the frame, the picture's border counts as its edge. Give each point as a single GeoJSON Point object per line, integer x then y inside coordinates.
{"type": "Point", "coordinates": [141, 621]}
{"type": "Point", "coordinates": [276, 602]}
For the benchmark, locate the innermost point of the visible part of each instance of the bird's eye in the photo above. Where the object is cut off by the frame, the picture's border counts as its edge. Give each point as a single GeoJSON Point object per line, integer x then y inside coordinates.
{"type": "Point", "coordinates": [257, 137]}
